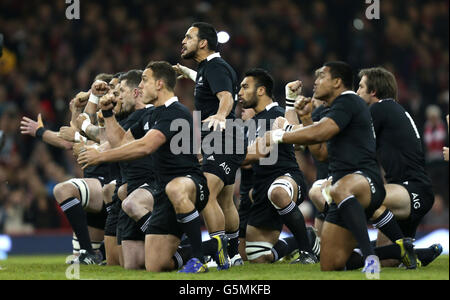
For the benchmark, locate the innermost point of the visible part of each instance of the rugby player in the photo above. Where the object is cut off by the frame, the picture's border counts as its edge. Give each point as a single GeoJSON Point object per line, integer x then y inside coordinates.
{"type": "Point", "coordinates": [357, 188]}
{"type": "Point", "coordinates": [278, 188]}
{"type": "Point", "coordinates": [409, 193]}
{"type": "Point", "coordinates": [216, 87]}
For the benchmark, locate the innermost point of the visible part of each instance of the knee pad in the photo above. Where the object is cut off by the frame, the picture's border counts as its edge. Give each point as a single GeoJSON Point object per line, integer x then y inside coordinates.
{"type": "Point", "coordinates": [285, 185]}
{"type": "Point", "coordinates": [257, 249]}
{"type": "Point", "coordinates": [83, 189]}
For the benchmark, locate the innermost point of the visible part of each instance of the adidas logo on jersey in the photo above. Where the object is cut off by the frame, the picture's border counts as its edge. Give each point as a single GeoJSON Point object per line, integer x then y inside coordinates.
{"type": "Point", "coordinates": [146, 127]}
{"type": "Point", "coordinates": [210, 157]}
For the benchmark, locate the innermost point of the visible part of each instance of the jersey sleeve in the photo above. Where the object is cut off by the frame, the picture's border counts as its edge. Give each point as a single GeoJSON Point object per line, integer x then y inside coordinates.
{"type": "Point", "coordinates": [219, 79]}
{"type": "Point", "coordinates": [341, 112]}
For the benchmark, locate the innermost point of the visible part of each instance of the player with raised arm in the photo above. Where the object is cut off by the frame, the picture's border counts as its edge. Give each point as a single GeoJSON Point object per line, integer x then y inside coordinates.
{"type": "Point", "coordinates": [357, 189]}
{"type": "Point", "coordinates": [179, 174]}
{"type": "Point", "coordinates": [278, 188]}
{"type": "Point", "coordinates": [216, 86]}
{"type": "Point", "coordinates": [135, 210]}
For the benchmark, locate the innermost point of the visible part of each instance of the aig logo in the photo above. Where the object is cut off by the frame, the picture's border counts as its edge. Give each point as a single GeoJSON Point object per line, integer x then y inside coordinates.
{"type": "Point", "coordinates": [373, 10]}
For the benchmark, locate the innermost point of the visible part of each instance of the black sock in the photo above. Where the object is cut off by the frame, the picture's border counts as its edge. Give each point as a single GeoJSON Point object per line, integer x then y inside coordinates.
{"type": "Point", "coordinates": [233, 243]}
{"type": "Point", "coordinates": [142, 223]}
{"type": "Point", "coordinates": [293, 219]}
{"type": "Point", "coordinates": [388, 252]}
{"type": "Point", "coordinates": [387, 224]}
{"type": "Point", "coordinates": [284, 247]}
{"type": "Point", "coordinates": [190, 224]}
{"type": "Point", "coordinates": [352, 213]}
{"type": "Point", "coordinates": [77, 218]}
{"type": "Point", "coordinates": [355, 261]}
{"type": "Point", "coordinates": [181, 256]}
{"type": "Point", "coordinates": [210, 246]}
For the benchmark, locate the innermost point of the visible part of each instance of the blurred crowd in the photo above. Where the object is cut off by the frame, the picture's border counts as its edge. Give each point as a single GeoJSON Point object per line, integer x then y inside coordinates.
{"type": "Point", "coordinates": [47, 59]}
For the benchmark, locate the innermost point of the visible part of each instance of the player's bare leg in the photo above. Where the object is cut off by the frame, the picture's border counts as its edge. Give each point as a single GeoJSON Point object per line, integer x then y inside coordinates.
{"type": "Point", "coordinates": [159, 250]}
{"type": "Point", "coordinates": [225, 199]}
{"type": "Point", "coordinates": [337, 243]}
{"type": "Point", "coordinates": [137, 206]}
{"type": "Point", "coordinates": [212, 214]}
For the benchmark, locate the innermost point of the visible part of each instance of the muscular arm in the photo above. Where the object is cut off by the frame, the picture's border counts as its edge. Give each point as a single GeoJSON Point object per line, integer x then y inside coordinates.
{"type": "Point", "coordinates": [317, 133]}
{"type": "Point", "coordinates": [320, 150]}
{"type": "Point", "coordinates": [226, 103]}
{"type": "Point", "coordinates": [114, 132]}
{"type": "Point", "coordinates": [51, 138]}
{"type": "Point", "coordinates": [130, 151]}
{"type": "Point", "coordinates": [91, 110]}
{"type": "Point", "coordinates": [29, 127]}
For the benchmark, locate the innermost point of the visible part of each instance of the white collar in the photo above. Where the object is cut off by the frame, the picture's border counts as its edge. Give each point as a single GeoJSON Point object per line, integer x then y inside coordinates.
{"type": "Point", "coordinates": [273, 104]}
{"type": "Point", "coordinates": [149, 105]}
{"type": "Point", "coordinates": [214, 55]}
{"type": "Point", "coordinates": [170, 101]}
{"type": "Point", "coordinates": [348, 92]}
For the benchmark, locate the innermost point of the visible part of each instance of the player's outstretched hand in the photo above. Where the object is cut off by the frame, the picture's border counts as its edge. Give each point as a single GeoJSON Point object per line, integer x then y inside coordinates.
{"type": "Point", "coordinates": [216, 122]}
{"type": "Point", "coordinates": [29, 126]}
{"type": "Point", "coordinates": [184, 72]}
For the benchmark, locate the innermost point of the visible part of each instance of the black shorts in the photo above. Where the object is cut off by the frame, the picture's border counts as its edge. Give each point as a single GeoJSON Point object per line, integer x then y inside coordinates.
{"type": "Point", "coordinates": [378, 193]}
{"type": "Point", "coordinates": [223, 166]}
{"type": "Point", "coordinates": [422, 200]}
{"type": "Point", "coordinates": [164, 219]}
{"type": "Point", "coordinates": [262, 213]}
{"type": "Point", "coordinates": [245, 205]}
{"type": "Point", "coordinates": [113, 215]}
{"type": "Point", "coordinates": [127, 228]}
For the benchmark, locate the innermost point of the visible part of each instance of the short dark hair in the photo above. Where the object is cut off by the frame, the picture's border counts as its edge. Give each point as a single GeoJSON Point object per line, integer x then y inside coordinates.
{"type": "Point", "coordinates": [104, 77]}
{"type": "Point", "coordinates": [262, 78]}
{"type": "Point", "coordinates": [207, 32]}
{"type": "Point", "coordinates": [133, 78]}
{"type": "Point", "coordinates": [342, 70]}
{"type": "Point", "coordinates": [380, 81]}
{"type": "Point", "coordinates": [163, 70]}
{"type": "Point", "coordinates": [118, 74]}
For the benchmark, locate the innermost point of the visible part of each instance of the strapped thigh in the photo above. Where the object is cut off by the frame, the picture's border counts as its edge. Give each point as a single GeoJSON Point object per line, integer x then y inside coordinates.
{"type": "Point", "coordinates": [255, 250]}
{"type": "Point", "coordinates": [285, 185]}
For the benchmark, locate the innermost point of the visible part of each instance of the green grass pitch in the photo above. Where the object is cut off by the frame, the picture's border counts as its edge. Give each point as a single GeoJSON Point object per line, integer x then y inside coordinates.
{"type": "Point", "coordinates": [54, 268]}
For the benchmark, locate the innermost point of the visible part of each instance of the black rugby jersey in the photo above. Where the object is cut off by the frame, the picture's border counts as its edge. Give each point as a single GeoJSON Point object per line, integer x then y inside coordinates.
{"type": "Point", "coordinates": [399, 146]}
{"type": "Point", "coordinates": [214, 75]}
{"type": "Point", "coordinates": [321, 166]}
{"type": "Point", "coordinates": [286, 158]}
{"type": "Point", "coordinates": [141, 167]}
{"type": "Point", "coordinates": [354, 147]}
{"type": "Point", "coordinates": [168, 164]}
